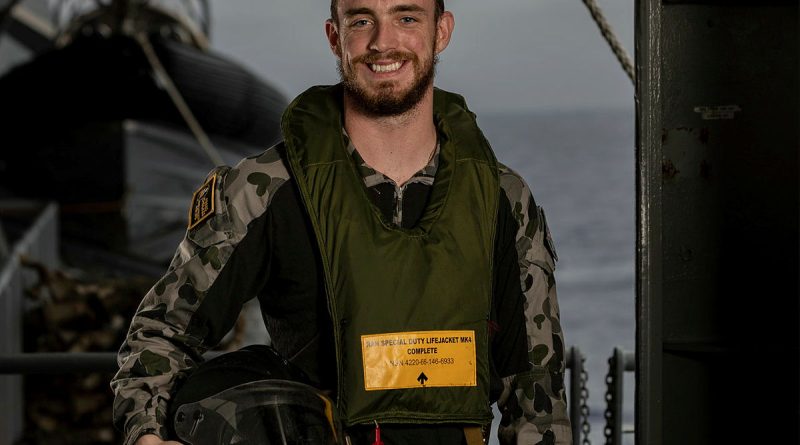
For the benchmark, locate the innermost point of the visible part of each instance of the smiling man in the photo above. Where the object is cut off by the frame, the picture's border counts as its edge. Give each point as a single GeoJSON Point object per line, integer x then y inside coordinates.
{"type": "Point", "coordinates": [365, 65]}
{"type": "Point", "coordinates": [397, 263]}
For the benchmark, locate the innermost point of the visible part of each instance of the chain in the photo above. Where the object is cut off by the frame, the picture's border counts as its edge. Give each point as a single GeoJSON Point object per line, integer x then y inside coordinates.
{"type": "Point", "coordinates": [584, 400]}
{"type": "Point", "coordinates": [611, 38]}
{"type": "Point", "coordinates": [611, 383]}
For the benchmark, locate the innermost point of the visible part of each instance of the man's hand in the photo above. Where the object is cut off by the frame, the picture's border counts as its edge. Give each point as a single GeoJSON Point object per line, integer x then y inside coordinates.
{"type": "Point", "coordinates": [152, 439]}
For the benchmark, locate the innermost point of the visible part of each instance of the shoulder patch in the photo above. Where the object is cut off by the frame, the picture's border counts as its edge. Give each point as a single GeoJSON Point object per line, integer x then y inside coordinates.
{"type": "Point", "coordinates": [202, 202]}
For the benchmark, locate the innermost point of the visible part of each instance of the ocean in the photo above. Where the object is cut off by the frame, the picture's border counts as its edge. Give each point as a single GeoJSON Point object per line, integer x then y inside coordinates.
{"type": "Point", "coordinates": [580, 167]}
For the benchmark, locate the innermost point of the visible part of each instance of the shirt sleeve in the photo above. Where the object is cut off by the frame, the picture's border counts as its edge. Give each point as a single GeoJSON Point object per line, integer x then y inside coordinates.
{"type": "Point", "coordinates": [161, 344]}
{"type": "Point", "coordinates": [533, 403]}
{"type": "Point", "coordinates": [216, 269]}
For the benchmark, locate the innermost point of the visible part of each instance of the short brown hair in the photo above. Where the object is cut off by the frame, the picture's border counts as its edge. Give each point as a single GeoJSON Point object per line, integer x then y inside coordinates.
{"type": "Point", "coordinates": [334, 3]}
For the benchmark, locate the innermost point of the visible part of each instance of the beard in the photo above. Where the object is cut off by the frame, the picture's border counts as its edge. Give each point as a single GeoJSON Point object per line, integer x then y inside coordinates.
{"type": "Point", "coordinates": [387, 100]}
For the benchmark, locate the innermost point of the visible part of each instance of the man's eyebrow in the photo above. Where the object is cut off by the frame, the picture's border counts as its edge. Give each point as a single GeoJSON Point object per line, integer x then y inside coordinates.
{"type": "Point", "coordinates": [407, 8]}
{"type": "Point", "coordinates": [358, 11]}
{"type": "Point", "coordinates": [394, 10]}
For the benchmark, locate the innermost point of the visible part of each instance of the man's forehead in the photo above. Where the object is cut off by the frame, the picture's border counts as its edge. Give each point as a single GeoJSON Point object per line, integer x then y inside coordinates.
{"type": "Point", "coordinates": [384, 5]}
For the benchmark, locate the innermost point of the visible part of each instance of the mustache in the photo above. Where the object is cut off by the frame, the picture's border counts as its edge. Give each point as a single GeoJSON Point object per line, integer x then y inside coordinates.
{"type": "Point", "coordinates": [390, 55]}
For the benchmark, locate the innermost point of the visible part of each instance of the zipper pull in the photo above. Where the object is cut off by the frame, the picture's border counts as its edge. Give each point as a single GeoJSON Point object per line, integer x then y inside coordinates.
{"type": "Point", "coordinates": [378, 440]}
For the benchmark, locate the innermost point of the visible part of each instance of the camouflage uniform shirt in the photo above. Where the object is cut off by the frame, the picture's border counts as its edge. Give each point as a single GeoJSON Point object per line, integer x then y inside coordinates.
{"type": "Point", "coordinates": [258, 243]}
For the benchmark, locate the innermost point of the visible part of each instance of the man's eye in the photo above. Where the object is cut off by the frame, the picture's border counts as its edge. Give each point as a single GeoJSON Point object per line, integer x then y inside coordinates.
{"type": "Point", "coordinates": [360, 23]}
{"type": "Point", "coordinates": [408, 20]}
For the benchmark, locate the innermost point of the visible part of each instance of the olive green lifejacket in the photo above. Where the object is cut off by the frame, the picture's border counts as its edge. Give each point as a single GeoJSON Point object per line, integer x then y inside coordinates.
{"type": "Point", "coordinates": [410, 307]}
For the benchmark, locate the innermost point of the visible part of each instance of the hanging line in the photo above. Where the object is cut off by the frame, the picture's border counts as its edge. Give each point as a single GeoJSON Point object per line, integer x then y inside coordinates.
{"type": "Point", "coordinates": [177, 99]}
{"type": "Point", "coordinates": [611, 38]}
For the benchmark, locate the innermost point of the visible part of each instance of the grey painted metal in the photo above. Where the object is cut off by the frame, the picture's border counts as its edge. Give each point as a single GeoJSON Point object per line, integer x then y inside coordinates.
{"type": "Point", "coordinates": [648, 409]}
{"type": "Point", "coordinates": [629, 361]}
{"type": "Point", "coordinates": [574, 362]}
{"type": "Point", "coordinates": [206, 22]}
{"type": "Point", "coordinates": [40, 243]}
{"type": "Point", "coordinates": [10, 316]}
{"type": "Point", "coordinates": [62, 362]}
{"type": "Point", "coordinates": [717, 238]}
{"type": "Point", "coordinates": [58, 363]}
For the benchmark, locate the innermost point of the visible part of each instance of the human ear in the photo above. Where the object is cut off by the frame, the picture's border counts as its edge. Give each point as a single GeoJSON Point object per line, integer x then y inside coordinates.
{"type": "Point", "coordinates": [444, 30]}
{"type": "Point", "coordinates": [332, 32]}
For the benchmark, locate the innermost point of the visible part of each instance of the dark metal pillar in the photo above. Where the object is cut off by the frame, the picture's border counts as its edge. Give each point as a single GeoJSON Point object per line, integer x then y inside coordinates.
{"type": "Point", "coordinates": [648, 228]}
{"type": "Point", "coordinates": [717, 239]}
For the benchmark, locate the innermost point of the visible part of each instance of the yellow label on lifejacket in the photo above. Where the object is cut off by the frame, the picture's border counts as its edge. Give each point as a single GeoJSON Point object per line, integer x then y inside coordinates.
{"type": "Point", "coordinates": [419, 359]}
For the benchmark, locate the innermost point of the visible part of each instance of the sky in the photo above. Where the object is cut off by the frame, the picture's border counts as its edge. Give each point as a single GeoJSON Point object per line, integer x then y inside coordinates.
{"type": "Point", "coordinates": [506, 55]}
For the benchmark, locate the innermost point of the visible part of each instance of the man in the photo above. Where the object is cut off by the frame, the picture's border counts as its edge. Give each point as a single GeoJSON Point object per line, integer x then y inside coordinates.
{"type": "Point", "coordinates": [395, 261]}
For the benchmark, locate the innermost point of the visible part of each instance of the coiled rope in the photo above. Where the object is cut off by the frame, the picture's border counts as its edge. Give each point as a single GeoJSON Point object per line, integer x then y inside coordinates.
{"type": "Point", "coordinates": [611, 38]}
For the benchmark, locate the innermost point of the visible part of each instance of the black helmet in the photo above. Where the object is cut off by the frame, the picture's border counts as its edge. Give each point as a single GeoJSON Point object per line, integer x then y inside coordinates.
{"type": "Point", "coordinates": [252, 396]}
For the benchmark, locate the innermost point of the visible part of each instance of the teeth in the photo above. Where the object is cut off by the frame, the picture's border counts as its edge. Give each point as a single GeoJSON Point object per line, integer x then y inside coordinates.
{"type": "Point", "coordinates": [386, 68]}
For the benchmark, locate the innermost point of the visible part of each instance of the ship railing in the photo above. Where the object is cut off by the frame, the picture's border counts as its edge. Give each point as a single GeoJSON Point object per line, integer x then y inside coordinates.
{"type": "Point", "coordinates": [619, 363]}
{"type": "Point", "coordinates": [27, 363]}
{"type": "Point", "coordinates": [40, 243]}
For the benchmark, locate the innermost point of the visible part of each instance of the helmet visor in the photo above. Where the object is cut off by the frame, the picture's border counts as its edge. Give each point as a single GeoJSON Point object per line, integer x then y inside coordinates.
{"type": "Point", "coordinates": [264, 412]}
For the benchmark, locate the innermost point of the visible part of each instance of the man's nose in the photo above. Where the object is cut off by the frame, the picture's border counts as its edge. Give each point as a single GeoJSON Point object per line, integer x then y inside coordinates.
{"type": "Point", "coordinates": [385, 37]}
